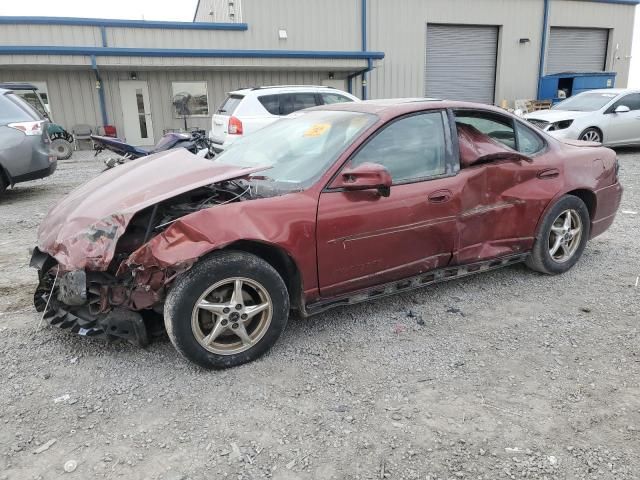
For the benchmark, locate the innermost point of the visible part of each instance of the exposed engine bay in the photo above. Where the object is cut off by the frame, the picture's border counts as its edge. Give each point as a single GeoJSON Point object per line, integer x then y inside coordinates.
{"type": "Point", "coordinates": [128, 302]}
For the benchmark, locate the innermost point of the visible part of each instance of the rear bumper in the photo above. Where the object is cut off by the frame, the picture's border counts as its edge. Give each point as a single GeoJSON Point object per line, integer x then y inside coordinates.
{"type": "Point", "coordinates": [42, 173]}
{"type": "Point", "coordinates": [607, 201]}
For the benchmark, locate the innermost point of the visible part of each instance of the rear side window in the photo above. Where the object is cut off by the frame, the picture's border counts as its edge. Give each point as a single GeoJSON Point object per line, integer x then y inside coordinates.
{"type": "Point", "coordinates": [271, 103]}
{"type": "Point", "coordinates": [230, 104]}
{"type": "Point", "coordinates": [293, 102]}
{"type": "Point", "coordinates": [497, 127]}
{"type": "Point", "coordinates": [329, 98]}
{"type": "Point", "coordinates": [14, 109]}
{"type": "Point", "coordinates": [528, 142]}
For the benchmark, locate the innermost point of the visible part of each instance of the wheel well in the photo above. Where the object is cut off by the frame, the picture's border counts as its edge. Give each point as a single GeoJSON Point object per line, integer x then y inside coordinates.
{"type": "Point", "coordinates": [589, 199]}
{"type": "Point", "coordinates": [4, 176]}
{"type": "Point", "coordinates": [278, 259]}
{"type": "Point", "coordinates": [594, 128]}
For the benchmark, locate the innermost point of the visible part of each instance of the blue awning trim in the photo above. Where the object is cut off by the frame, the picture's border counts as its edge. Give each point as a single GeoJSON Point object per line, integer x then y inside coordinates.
{"type": "Point", "coordinates": [105, 22]}
{"type": "Point", "coordinates": [175, 52]}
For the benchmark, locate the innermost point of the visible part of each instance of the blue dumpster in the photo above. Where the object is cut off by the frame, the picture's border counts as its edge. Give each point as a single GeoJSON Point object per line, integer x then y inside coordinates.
{"type": "Point", "coordinates": [572, 83]}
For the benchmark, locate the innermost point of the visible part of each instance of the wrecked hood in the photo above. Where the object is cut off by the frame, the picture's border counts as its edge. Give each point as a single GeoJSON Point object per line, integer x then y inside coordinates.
{"type": "Point", "coordinates": [82, 230]}
{"type": "Point", "coordinates": [555, 115]}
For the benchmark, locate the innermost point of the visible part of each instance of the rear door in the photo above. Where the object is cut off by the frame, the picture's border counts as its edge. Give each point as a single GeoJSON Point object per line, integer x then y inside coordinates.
{"type": "Point", "coordinates": [502, 200]}
{"type": "Point", "coordinates": [220, 120]}
{"type": "Point", "coordinates": [365, 239]}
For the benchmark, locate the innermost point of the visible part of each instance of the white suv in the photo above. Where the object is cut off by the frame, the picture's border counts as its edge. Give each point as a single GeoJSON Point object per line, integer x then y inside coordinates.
{"type": "Point", "coordinates": [250, 109]}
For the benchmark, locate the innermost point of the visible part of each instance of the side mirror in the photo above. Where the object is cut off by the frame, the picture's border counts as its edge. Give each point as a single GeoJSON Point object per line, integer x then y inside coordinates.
{"type": "Point", "coordinates": [367, 176]}
{"type": "Point", "coordinates": [622, 109]}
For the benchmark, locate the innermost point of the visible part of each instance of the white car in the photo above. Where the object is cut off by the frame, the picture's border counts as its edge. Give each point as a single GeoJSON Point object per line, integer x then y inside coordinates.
{"type": "Point", "coordinates": [250, 109]}
{"type": "Point", "coordinates": [609, 116]}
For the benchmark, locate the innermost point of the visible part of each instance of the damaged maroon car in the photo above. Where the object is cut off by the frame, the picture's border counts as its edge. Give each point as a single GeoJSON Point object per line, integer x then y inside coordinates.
{"type": "Point", "coordinates": [329, 207]}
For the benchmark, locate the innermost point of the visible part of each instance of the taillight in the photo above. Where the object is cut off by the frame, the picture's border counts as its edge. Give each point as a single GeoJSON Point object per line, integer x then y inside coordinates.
{"type": "Point", "coordinates": [235, 126]}
{"type": "Point", "coordinates": [29, 128]}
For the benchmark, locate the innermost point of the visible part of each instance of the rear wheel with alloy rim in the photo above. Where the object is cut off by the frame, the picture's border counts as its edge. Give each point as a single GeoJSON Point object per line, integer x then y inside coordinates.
{"type": "Point", "coordinates": [562, 236]}
{"type": "Point", "coordinates": [227, 310]}
{"type": "Point", "coordinates": [591, 135]}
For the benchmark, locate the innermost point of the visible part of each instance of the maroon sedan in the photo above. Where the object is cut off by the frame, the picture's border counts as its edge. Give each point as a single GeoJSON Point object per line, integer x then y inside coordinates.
{"type": "Point", "coordinates": [332, 206]}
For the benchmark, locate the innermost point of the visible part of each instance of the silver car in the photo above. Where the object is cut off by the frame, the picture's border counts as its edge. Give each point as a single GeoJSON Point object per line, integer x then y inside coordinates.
{"type": "Point", "coordinates": [24, 143]}
{"type": "Point", "coordinates": [609, 116]}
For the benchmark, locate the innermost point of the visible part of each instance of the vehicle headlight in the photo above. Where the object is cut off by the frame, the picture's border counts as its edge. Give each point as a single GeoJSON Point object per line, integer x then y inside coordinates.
{"type": "Point", "coordinates": [559, 125]}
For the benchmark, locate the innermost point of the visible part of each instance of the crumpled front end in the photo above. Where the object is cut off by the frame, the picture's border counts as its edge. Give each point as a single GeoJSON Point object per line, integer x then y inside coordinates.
{"type": "Point", "coordinates": [86, 282]}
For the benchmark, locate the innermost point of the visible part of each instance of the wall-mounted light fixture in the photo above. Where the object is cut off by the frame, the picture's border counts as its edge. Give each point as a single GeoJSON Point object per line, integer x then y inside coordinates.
{"type": "Point", "coordinates": [282, 34]}
{"type": "Point", "coordinates": [525, 41]}
{"type": "Point", "coordinates": [133, 76]}
{"type": "Point", "coordinates": [331, 76]}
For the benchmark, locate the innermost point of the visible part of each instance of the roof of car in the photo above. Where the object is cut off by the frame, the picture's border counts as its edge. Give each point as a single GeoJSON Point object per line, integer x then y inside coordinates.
{"type": "Point", "coordinates": [615, 91]}
{"type": "Point", "coordinates": [17, 86]}
{"type": "Point", "coordinates": [395, 106]}
{"type": "Point", "coordinates": [262, 89]}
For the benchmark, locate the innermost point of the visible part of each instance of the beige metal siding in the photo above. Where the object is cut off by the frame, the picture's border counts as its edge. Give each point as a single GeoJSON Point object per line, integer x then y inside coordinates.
{"type": "Point", "coordinates": [72, 94]}
{"type": "Point", "coordinates": [74, 98]}
{"type": "Point", "coordinates": [398, 29]}
{"type": "Point", "coordinates": [616, 17]}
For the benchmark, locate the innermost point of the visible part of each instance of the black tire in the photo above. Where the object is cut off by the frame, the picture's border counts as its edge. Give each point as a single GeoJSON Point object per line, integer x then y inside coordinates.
{"type": "Point", "coordinates": [541, 259]}
{"type": "Point", "coordinates": [188, 289]}
{"type": "Point", "coordinates": [591, 132]}
{"type": "Point", "coordinates": [62, 149]}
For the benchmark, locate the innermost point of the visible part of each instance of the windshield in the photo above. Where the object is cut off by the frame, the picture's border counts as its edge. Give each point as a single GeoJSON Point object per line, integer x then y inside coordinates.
{"type": "Point", "coordinates": [585, 102]}
{"type": "Point", "coordinates": [299, 148]}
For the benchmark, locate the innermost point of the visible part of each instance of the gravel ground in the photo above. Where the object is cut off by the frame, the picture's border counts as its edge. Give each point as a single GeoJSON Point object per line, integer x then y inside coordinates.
{"type": "Point", "coordinates": [506, 375]}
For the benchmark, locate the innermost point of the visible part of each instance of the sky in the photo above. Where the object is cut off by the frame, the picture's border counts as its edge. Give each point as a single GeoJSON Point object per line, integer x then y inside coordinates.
{"type": "Point", "coordinates": [183, 10]}
{"type": "Point", "coordinates": [179, 10]}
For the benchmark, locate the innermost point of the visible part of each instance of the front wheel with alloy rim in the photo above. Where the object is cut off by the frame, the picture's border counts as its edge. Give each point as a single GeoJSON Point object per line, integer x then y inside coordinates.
{"type": "Point", "coordinates": [591, 135]}
{"type": "Point", "coordinates": [562, 236]}
{"type": "Point", "coordinates": [229, 309]}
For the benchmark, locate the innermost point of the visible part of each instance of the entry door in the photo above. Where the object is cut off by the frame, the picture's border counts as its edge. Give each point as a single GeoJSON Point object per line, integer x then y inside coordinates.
{"type": "Point", "coordinates": [136, 112]}
{"type": "Point", "coordinates": [366, 239]}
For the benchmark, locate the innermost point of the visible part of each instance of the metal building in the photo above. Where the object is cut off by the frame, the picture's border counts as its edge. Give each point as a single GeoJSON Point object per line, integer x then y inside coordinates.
{"type": "Point", "coordinates": [125, 73]}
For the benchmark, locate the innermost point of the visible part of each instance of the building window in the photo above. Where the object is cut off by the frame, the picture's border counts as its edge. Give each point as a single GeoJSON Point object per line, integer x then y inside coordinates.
{"type": "Point", "coordinates": [190, 98]}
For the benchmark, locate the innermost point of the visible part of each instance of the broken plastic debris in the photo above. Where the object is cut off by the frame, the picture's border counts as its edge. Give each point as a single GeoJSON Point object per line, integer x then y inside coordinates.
{"type": "Point", "coordinates": [62, 398]}
{"type": "Point", "coordinates": [46, 446]}
{"type": "Point", "coordinates": [70, 466]}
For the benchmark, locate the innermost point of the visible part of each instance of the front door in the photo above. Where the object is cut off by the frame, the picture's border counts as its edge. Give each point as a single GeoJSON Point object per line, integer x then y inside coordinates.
{"type": "Point", "coordinates": [138, 127]}
{"type": "Point", "coordinates": [366, 239]}
{"type": "Point", "coordinates": [623, 128]}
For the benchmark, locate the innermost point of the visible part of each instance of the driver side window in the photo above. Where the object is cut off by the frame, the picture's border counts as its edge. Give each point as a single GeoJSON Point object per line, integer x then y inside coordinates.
{"type": "Point", "coordinates": [411, 148]}
{"type": "Point", "coordinates": [632, 101]}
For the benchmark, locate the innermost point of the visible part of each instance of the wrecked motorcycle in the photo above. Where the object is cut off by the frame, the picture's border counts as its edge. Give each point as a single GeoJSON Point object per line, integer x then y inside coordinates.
{"type": "Point", "coordinates": [195, 142]}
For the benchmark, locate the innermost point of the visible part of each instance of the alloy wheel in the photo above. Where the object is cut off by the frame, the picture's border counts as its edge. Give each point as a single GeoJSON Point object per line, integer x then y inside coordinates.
{"type": "Point", "coordinates": [591, 136]}
{"type": "Point", "coordinates": [231, 316]}
{"type": "Point", "coordinates": [565, 236]}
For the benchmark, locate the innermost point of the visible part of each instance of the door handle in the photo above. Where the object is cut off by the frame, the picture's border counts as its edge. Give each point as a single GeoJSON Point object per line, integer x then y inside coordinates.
{"type": "Point", "coordinates": [440, 196]}
{"type": "Point", "coordinates": [548, 173]}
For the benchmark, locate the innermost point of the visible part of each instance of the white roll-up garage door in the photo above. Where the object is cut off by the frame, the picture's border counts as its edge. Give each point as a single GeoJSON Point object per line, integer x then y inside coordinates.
{"type": "Point", "coordinates": [577, 49]}
{"type": "Point", "coordinates": [461, 62]}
